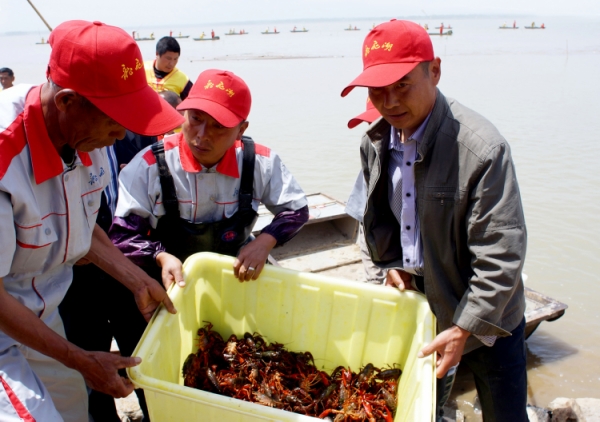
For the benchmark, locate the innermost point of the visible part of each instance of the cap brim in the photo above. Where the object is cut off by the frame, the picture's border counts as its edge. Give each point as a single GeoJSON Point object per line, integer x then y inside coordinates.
{"type": "Point", "coordinates": [218, 112]}
{"type": "Point", "coordinates": [143, 112]}
{"type": "Point", "coordinates": [380, 75]}
{"type": "Point", "coordinates": [368, 116]}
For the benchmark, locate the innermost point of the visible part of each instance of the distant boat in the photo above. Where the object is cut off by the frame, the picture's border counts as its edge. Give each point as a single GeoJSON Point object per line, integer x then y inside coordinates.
{"type": "Point", "coordinates": [508, 27]}
{"type": "Point", "coordinates": [535, 27]}
{"type": "Point", "coordinates": [144, 39]}
{"type": "Point", "coordinates": [443, 33]}
{"type": "Point", "coordinates": [181, 36]}
{"type": "Point", "coordinates": [43, 41]}
{"type": "Point", "coordinates": [446, 27]}
{"type": "Point", "coordinates": [270, 32]}
{"type": "Point", "coordinates": [352, 29]}
{"type": "Point", "coordinates": [207, 38]}
{"type": "Point", "coordinates": [237, 33]}
{"type": "Point", "coordinates": [299, 30]}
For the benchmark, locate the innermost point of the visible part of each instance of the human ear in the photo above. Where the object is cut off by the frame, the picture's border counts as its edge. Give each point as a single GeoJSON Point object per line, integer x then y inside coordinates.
{"type": "Point", "coordinates": [65, 98]}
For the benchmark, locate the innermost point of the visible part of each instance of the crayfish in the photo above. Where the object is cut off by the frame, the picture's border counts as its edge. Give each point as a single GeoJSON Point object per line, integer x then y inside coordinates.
{"type": "Point", "coordinates": [250, 369]}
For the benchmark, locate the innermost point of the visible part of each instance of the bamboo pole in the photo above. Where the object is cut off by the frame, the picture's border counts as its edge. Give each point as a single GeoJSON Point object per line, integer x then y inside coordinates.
{"type": "Point", "coordinates": [40, 15]}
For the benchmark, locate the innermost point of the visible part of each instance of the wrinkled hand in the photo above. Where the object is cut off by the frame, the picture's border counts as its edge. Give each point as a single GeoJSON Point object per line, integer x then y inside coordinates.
{"type": "Point", "coordinates": [251, 259]}
{"type": "Point", "coordinates": [149, 296]}
{"type": "Point", "coordinates": [171, 269]}
{"type": "Point", "coordinates": [449, 345]}
{"type": "Point", "coordinates": [399, 279]}
{"type": "Point", "coordinates": [99, 369]}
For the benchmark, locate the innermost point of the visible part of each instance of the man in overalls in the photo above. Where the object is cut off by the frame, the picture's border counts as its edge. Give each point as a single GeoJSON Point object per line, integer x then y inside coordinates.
{"type": "Point", "coordinates": [207, 197]}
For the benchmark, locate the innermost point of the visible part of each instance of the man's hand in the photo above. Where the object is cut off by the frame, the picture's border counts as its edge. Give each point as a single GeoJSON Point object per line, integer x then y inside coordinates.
{"type": "Point", "coordinates": [251, 259]}
{"type": "Point", "coordinates": [171, 269]}
{"type": "Point", "coordinates": [99, 369]}
{"type": "Point", "coordinates": [400, 279]}
{"type": "Point", "coordinates": [147, 292]}
{"type": "Point", "coordinates": [149, 296]}
{"type": "Point", "coordinates": [449, 345]}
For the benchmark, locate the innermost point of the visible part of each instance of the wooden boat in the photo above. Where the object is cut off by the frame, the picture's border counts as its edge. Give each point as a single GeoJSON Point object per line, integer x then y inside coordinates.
{"type": "Point", "coordinates": [181, 36]}
{"type": "Point", "coordinates": [145, 39]}
{"type": "Point", "coordinates": [327, 244]}
{"type": "Point", "coordinates": [215, 38]}
{"type": "Point", "coordinates": [270, 33]}
{"type": "Point", "coordinates": [535, 27]}
{"type": "Point", "coordinates": [352, 29]}
{"type": "Point", "coordinates": [443, 33]}
{"type": "Point", "coordinates": [508, 27]}
{"type": "Point", "coordinates": [299, 30]}
{"type": "Point", "coordinates": [237, 33]}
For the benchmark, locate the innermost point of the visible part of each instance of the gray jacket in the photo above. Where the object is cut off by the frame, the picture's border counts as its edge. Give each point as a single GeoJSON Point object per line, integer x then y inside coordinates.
{"type": "Point", "coordinates": [472, 224]}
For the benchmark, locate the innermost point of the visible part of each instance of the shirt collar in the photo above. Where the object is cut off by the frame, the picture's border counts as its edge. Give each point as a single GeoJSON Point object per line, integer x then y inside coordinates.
{"type": "Point", "coordinates": [417, 136]}
{"type": "Point", "coordinates": [227, 166]}
{"type": "Point", "coordinates": [45, 160]}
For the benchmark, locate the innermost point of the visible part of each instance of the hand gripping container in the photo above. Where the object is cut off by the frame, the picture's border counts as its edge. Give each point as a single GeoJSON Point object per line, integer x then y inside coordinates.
{"type": "Point", "coordinates": [340, 322]}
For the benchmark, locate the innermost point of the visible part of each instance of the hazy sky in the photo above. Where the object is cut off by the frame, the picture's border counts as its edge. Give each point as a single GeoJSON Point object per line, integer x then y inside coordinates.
{"type": "Point", "coordinates": [17, 15]}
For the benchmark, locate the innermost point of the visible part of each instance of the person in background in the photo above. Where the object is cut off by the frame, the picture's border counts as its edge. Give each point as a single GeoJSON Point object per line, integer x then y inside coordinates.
{"type": "Point", "coordinates": [162, 73]}
{"type": "Point", "coordinates": [444, 215]}
{"type": "Point", "coordinates": [7, 77]}
{"type": "Point", "coordinates": [212, 33]}
{"type": "Point", "coordinates": [174, 100]}
{"type": "Point", "coordinates": [52, 173]}
{"type": "Point", "coordinates": [355, 206]}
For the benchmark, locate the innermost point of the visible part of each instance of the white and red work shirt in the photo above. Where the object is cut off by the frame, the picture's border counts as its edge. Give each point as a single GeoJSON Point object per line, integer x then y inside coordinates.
{"type": "Point", "coordinates": [205, 195]}
{"type": "Point", "coordinates": [47, 209]}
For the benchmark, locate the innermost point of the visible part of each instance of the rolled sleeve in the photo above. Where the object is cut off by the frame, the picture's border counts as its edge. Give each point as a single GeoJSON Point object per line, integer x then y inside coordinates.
{"type": "Point", "coordinates": [497, 240]}
{"type": "Point", "coordinates": [8, 238]}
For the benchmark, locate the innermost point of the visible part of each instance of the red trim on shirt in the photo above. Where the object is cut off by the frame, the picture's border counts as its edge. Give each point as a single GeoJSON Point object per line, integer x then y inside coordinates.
{"type": "Point", "coordinates": [53, 213]}
{"type": "Point", "coordinates": [27, 227]}
{"type": "Point", "coordinates": [258, 149]}
{"type": "Point", "coordinates": [39, 295]}
{"type": "Point", "coordinates": [188, 161]}
{"type": "Point", "coordinates": [68, 222]}
{"type": "Point", "coordinates": [172, 141]}
{"type": "Point", "coordinates": [19, 407]}
{"type": "Point", "coordinates": [12, 142]}
{"type": "Point", "coordinates": [92, 191]}
{"type": "Point", "coordinates": [28, 246]}
{"type": "Point", "coordinates": [85, 158]}
{"type": "Point", "coordinates": [149, 157]}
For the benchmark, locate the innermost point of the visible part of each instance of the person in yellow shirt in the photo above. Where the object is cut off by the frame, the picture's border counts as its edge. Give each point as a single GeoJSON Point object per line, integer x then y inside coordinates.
{"type": "Point", "coordinates": [162, 73]}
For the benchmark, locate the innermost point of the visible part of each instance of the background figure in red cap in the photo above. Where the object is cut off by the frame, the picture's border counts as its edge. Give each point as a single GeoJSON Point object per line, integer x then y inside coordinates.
{"type": "Point", "coordinates": [162, 73]}
{"type": "Point", "coordinates": [355, 206]}
{"type": "Point", "coordinates": [444, 215]}
{"type": "Point", "coordinates": [52, 173]}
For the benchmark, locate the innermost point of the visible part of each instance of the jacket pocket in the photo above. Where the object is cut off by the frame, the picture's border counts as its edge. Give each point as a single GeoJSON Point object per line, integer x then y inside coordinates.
{"type": "Point", "coordinates": [34, 243]}
{"type": "Point", "coordinates": [91, 206]}
{"type": "Point", "coordinates": [443, 195]}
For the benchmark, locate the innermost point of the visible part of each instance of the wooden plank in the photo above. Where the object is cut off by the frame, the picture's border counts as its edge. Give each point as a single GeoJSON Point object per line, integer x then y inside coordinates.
{"type": "Point", "coordinates": [323, 260]}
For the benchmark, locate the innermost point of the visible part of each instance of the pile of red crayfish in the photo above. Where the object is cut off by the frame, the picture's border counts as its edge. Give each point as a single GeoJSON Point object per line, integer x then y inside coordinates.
{"type": "Point", "coordinates": [252, 370]}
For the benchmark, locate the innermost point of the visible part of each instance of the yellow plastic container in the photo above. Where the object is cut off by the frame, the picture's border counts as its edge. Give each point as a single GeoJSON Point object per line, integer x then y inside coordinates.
{"type": "Point", "coordinates": [339, 322]}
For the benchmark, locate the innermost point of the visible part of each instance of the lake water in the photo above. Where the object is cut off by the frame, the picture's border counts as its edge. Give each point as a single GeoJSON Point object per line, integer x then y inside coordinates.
{"type": "Point", "coordinates": [539, 87]}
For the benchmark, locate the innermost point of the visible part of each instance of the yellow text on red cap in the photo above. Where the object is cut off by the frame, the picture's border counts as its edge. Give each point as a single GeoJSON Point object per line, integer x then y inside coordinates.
{"type": "Point", "coordinates": [221, 86]}
{"type": "Point", "coordinates": [386, 46]}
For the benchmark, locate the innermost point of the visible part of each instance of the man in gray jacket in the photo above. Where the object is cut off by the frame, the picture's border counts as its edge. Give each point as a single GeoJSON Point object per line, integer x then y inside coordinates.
{"type": "Point", "coordinates": [444, 215]}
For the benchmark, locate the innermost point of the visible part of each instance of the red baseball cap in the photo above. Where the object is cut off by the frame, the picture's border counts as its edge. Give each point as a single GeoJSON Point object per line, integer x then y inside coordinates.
{"type": "Point", "coordinates": [223, 95]}
{"type": "Point", "coordinates": [390, 51]}
{"type": "Point", "coordinates": [368, 116]}
{"type": "Point", "coordinates": [104, 64]}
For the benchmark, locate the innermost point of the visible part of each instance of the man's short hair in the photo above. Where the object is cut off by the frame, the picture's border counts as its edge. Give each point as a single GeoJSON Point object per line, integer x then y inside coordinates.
{"type": "Point", "coordinates": [166, 44]}
{"type": "Point", "coordinates": [171, 97]}
{"type": "Point", "coordinates": [7, 70]}
{"type": "Point", "coordinates": [425, 67]}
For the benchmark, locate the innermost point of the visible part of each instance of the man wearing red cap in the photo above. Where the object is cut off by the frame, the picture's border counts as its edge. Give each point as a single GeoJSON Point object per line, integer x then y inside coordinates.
{"type": "Point", "coordinates": [444, 215]}
{"type": "Point", "coordinates": [200, 189]}
{"type": "Point", "coordinates": [53, 169]}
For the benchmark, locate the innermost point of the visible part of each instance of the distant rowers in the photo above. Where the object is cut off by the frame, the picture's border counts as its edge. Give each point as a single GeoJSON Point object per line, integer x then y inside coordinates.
{"type": "Point", "coordinates": [514, 24]}
{"type": "Point", "coordinates": [202, 35]}
{"type": "Point", "coordinates": [212, 33]}
{"type": "Point", "coordinates": [542, 26]}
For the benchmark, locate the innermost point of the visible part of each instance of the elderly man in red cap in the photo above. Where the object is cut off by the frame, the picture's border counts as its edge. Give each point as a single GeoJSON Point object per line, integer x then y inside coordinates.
{"type": "Point", "coordinates": [53, 169]}
{"type": "Point", "coordinates": [444, 215]}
